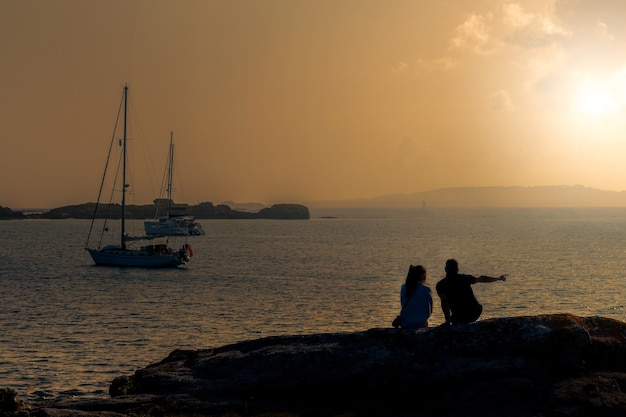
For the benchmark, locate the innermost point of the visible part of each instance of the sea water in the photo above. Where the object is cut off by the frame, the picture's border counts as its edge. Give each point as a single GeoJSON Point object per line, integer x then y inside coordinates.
{"type": "Point", "coordinates": [68, 328]}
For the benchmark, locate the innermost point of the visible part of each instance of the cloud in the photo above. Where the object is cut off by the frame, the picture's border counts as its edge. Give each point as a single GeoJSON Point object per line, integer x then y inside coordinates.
{"type": "Point", "coordinates": [515, 16]}
{"type": "Point", "coordinates": [438, 64]}
{"type": "Point", "coordinates": [530, 29]}
{"type": "Point", "coordinates": [422, 65]}
{"type": "Point", "coordinates": [544, 67]}
{"type": "Point", "coordinates": [603, 30]}
{"type": "Point", "coordinates": [501, 101]}
{"type": "Point", "coordinates": [400, 68]}
{"type": "Point", "coordinates": [484, 34]}
{"type": "Point", "coordinates": [473, 34]}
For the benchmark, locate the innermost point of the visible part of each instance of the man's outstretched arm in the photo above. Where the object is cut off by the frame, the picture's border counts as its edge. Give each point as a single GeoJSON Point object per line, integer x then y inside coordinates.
{"type": "Point", "coordinates": [485, 278]}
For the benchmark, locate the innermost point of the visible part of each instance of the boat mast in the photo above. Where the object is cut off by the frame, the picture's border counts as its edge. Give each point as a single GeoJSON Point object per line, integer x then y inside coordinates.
{"type": "Point", "coordinates": [124, 185]}
{"type": "Point", "coordinates": [170, 175]}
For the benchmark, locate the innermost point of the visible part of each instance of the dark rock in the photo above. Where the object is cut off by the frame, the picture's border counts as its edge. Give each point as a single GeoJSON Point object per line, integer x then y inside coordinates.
{"type": "Point", "coordinates": [285, 211]}
{"type": "Point", "coordinates": [8, 214]}
{"type": "Point", "coordinates": [552, 365]}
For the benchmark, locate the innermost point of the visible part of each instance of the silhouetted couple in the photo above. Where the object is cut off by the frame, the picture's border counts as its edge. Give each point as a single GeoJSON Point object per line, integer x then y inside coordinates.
{"type": "Point", "coordinates": [458, 303]}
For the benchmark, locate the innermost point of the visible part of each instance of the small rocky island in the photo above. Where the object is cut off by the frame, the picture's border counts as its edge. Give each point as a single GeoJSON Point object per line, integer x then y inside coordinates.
{"type": "Point", "coordinates": [7, 214]}
{"type": "Point", "coordinates": [557, 365]}
{"type": "Point", "coordinates": [147, 211]}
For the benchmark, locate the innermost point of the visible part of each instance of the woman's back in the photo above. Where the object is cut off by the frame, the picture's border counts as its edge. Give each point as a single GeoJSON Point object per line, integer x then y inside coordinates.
{"type": "Point", "coordinates": [416, 310]}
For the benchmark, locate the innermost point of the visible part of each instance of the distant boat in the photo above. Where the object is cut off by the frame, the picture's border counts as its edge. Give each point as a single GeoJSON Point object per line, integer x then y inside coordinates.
{"type": "Point", "coordinates": [172, 225]}
{"type": "Point", "coordinates": [124, 254]}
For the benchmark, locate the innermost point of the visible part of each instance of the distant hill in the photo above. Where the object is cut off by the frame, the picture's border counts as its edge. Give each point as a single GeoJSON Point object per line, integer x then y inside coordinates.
{"type": "Point", "coordinates": [544, 196]}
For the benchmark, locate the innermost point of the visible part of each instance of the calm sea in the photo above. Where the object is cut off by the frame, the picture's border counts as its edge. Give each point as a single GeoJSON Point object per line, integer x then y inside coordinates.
{"type": "Point", "coordinates": [68, 328]}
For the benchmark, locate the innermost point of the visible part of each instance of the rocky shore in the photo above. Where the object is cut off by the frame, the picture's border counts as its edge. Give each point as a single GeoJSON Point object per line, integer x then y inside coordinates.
{"type": "Point", "coordinates": [543, 366]}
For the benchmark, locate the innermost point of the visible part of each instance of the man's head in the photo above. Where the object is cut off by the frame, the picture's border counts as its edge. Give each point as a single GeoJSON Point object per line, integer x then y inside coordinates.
{"type": "Point", "coordinates": [452, 267]}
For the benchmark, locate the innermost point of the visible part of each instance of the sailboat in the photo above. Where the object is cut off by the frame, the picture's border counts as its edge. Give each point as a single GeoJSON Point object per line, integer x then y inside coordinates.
{"type": "Point", "coordinates": [128, 252]}
{"type": "Point", "coordinates": [172, 225]}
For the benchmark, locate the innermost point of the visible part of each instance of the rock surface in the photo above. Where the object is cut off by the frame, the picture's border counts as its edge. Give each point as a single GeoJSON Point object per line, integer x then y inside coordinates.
{"type": "Point", "coordinates": [550, 365]}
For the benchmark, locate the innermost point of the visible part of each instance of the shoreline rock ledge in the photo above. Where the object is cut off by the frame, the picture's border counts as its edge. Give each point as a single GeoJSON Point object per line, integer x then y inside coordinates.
{"type": "Point", "coordinates": [543, 366]}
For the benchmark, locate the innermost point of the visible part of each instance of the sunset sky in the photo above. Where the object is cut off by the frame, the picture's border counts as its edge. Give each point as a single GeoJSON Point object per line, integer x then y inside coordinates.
{"type": "Point", "coordinates": [305, 100]}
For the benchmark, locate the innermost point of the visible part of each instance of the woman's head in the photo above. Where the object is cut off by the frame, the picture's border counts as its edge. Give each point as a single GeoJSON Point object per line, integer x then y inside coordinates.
{"type": "Point", "coordinates": [416, 274]}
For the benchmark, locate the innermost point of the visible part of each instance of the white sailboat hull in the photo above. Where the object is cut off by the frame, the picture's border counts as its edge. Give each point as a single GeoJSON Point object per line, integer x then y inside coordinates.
{"type": "Point", "coordinates": [135, 258]}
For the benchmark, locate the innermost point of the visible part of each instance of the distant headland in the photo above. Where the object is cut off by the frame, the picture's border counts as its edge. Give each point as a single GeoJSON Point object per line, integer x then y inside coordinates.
{"type": "Point", "coordinates": [558, 196]}
{"type": "Point", "coordinates": [147, 211]}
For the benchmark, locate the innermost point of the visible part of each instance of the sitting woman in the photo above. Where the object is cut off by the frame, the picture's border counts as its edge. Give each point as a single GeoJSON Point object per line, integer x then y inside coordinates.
{"type": "Point", "coordinates": [415, 299]}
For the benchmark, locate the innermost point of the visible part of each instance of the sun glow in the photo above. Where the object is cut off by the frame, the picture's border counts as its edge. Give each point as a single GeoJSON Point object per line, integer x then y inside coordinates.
{"type": "Point", "coordinates": [599, 98]}
{"type": "Point", "coordinates": [596, 100]}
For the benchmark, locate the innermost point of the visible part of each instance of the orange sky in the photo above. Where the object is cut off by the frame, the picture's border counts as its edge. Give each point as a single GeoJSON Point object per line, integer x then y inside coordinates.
{"type": "Point", "coordinates": [305, 100]}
